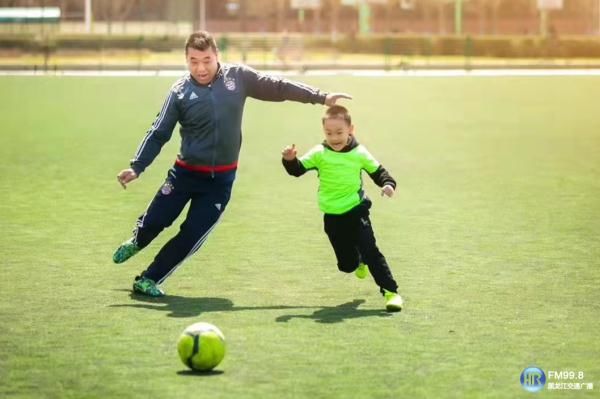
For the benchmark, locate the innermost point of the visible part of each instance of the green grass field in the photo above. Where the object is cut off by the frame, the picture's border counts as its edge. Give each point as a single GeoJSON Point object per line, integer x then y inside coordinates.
{"type": "Point", "coordinates": [494, 238]}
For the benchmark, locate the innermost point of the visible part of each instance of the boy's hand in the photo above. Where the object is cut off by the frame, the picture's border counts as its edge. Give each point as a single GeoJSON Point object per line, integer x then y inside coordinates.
{"type": "Point", "coordinates": [387, 190]}
{"type": "Point", "coordinates": [289, 153]}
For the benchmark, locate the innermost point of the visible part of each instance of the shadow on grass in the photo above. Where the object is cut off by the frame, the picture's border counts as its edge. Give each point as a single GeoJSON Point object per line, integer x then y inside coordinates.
{"type": "Point", "coordinates": [192, 373]}
{"type": "Point", "coordinates": [337, 314]}
{"type": "Point", "coordinates": [179, 306]}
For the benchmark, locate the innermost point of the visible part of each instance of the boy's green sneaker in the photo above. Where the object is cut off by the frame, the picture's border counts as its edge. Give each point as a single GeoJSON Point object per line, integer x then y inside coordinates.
{"type": "Point", "coordinates": [361, 271]}
{"type": "Point", "coordinates": [393, 301]}
{"type": "Point", "coordinates": [125, 251]}
{"type": "Point", "coordinates": [146, 286]}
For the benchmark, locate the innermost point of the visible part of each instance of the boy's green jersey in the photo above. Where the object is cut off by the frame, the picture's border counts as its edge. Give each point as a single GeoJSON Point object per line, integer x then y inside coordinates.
{"type": "Point", "coordinates": [340, 178]}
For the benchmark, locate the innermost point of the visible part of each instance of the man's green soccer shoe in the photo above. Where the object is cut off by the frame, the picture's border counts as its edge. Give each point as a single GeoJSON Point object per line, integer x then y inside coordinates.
{"type": "Point", "coordinates": [125, 251]}
{"type": "Point", "coordinates": [146, 286]}
{"type": "Point", "coordinates": [393, 301]}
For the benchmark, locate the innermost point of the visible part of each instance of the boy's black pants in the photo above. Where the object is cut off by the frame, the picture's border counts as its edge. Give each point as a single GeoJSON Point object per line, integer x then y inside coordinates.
{"type": "Point", "coordinates": [353, 241]}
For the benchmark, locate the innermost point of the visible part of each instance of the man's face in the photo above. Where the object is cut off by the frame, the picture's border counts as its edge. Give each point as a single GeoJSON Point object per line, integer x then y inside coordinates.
{"type": "Point", "coordinates": [202, 64]}
{"type": "Point", "coordinates": [337, 132]}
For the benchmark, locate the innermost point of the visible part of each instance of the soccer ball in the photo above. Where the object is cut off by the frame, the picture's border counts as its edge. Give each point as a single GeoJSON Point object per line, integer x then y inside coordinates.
{"type": "Point", "coordinates": [201, 346]}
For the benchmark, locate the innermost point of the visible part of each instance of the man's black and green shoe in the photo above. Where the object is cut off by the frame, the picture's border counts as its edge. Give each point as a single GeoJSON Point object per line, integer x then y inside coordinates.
{"type": "Point", "coordinates": [146, 286]}
{"type": "Point", "coordinates": [125, 251]}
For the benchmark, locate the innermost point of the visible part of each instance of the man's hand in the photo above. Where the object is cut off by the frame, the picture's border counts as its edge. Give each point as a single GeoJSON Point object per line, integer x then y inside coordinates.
{"type": "Point", "coordinates": [387, 190]}
{"type": "Point", "coordinates": [332, 98]}
{"type": "Point", "coordinates": [289, 152]}
{"type": "Point", "coordinates": [125, 176]}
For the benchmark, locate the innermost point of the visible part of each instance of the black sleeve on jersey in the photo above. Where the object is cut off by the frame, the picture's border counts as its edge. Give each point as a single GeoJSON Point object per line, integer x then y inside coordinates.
{"type": "Point", "coordinates": [381, 177]}
{"type": "Point", "coordinates": [294, 167]}
{"type": "Point", "coordinates": [159, 133]}
{"type": "Point", "coordinates": [272, 88]}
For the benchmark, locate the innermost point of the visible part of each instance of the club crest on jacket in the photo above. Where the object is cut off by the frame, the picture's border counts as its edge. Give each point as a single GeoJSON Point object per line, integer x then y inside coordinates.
{"type": "Point", "coordinates": [230, 84]}
{"type": "Point", "coordinates": [167, 188]}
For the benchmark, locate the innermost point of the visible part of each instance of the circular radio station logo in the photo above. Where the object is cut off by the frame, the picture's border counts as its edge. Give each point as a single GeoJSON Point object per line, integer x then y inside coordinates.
{"type": "Point", "coordinates": [533, 379]}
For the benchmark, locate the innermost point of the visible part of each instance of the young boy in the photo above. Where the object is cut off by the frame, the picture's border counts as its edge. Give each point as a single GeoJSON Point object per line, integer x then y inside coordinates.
{"type": "Point", "coordinates": [339, 161]}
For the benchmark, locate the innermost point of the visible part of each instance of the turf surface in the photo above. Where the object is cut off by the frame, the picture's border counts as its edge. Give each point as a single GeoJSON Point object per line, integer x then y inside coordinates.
{"type": "Point", "coordinates": [494, 238]}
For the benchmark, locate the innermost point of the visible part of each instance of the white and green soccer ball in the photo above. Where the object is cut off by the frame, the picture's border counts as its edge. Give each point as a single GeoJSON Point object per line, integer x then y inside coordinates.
{"type": "Point", "coordinates": [201, 346]}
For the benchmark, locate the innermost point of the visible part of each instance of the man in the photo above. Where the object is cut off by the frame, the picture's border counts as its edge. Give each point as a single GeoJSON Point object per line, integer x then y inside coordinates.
{"type": "Point", "coordinates": [208, 104]}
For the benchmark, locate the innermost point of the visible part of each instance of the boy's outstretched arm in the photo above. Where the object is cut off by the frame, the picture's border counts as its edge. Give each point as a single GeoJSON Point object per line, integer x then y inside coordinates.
{"type": "Point", "coordinates": [383, 179]}
{"type": "Point", "coordinates": [291, 164]}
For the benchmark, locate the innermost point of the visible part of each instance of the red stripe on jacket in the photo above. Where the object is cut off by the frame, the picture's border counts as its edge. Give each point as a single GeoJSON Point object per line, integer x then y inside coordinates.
{"type": "Point", "coordinates": [206, 169]}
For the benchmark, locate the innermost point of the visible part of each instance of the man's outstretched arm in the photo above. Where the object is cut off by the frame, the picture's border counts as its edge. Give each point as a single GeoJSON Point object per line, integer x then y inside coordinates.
{"type": "Point", "coordinates": [271, 88]}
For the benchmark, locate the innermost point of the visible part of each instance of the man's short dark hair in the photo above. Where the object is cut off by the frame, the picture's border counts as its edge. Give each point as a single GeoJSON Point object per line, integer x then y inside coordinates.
{"type": "Point", "coordinates": [337, 112]}
{"type": "Point", "coordinates": [201, 40]}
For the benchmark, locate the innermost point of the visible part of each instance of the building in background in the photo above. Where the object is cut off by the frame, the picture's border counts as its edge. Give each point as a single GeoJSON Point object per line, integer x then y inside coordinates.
{"type": "Point", "coordinates": [331, 17]}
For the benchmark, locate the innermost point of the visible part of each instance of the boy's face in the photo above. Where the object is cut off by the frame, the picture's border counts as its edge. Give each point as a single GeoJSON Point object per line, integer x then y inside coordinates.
{"type": "Point", "coordinates": [337, 132]}
{"type": "Point", "coordinates": [203, 65]}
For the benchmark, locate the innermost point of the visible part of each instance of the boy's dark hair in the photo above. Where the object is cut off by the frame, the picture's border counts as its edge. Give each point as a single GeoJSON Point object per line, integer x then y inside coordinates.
{"type": "Point", "coordinates": [201, 40]}
{"type": "Point", "coordinates": [337, 112]}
